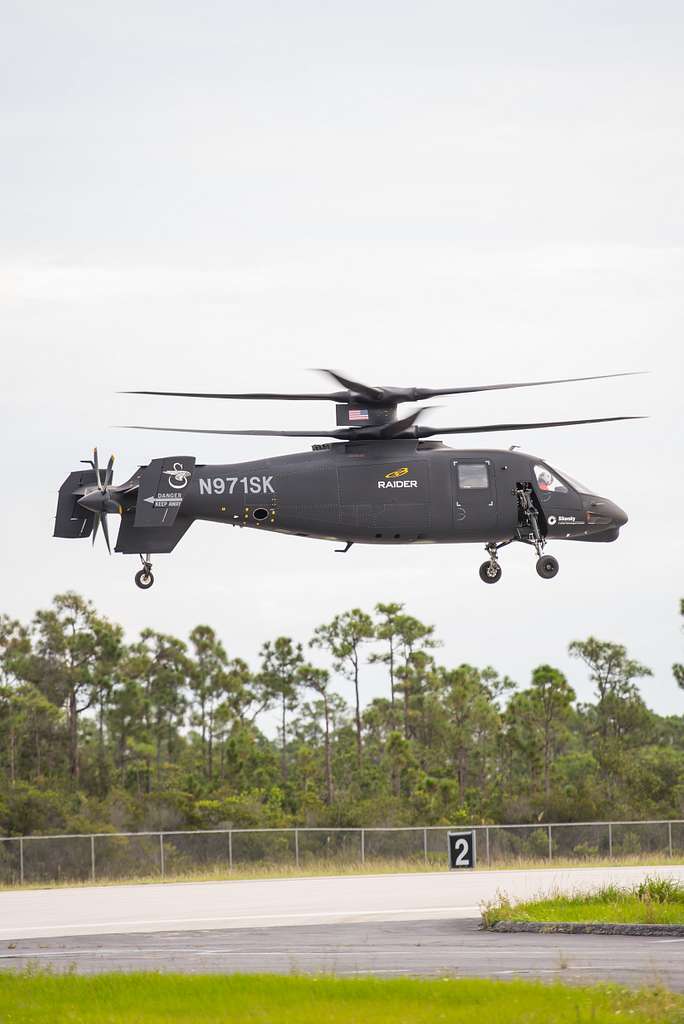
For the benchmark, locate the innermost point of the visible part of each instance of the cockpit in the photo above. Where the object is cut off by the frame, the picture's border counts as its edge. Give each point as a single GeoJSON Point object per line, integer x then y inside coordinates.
{"type": "Point", "coordinates": [550, 481]}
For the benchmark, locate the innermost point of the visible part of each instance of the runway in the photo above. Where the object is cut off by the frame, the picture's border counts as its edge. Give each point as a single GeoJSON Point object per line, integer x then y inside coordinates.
{"type": "Point", "coordinates": [387, 925]}
{"type": "Point", "coordinates": [434, 948]}
{"type": "Point", "coordinates": [101, 910]}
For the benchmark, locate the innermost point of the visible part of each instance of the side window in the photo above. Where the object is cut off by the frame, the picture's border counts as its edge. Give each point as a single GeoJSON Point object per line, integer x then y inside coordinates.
{"type": "Point", "coordinates": [546, 481]}
{"type": "Point", "coordinates": [473, 476]}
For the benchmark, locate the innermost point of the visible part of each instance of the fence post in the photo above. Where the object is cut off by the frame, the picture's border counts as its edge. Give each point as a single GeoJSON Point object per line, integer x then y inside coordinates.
{"type": "Point", "coordinates": [550, 843]}
{"type": "Point", "coordinates": [230, 849]}
{"type": "Point", "coordinates": [610, 840]}
{"type": "Point", "coordinates": [489, 862]}
{"type": "Point", "coordinates": [92, 858]}
{"type": "Point", "coordinates": [425, 856]}
{"type": "Point", "coordinates": [296, 832]}
{"type": "Point", "coordinates": [21, 859]}
{"type": "Point", "coordinates": [161, 854]}
{"type": "Point", "coordinates": [669, 837]}
{"type": "Point", "coordinates": [363, 846]}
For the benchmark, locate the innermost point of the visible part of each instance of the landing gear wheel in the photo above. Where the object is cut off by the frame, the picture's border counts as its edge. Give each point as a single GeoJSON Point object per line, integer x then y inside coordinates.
{"type": "Point", "coordinates": [547, 567]}
{"type": "Point", "coordinates": [144, 579]}
{"type": "Point", "coordinates": [490, 572]}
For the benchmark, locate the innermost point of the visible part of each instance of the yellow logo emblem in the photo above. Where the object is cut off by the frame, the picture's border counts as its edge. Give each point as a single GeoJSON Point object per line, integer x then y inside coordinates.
{"type": "Point", "coordinates": [397, 472]}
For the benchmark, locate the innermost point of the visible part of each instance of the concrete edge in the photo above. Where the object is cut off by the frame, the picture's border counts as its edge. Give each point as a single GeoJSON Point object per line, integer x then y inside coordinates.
{"type": "Point", "coordinates": [579, 928]}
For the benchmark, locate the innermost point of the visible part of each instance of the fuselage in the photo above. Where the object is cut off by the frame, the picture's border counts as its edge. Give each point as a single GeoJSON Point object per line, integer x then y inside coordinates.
{"type": "Point", "coordinates": [396, 492]}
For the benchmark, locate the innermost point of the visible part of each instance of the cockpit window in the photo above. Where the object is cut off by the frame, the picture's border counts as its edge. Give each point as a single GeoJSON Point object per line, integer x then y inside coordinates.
{"type": "Point", "coordinates": [546, 481]}
{"type": "Point", "coordinates": [577, 485]}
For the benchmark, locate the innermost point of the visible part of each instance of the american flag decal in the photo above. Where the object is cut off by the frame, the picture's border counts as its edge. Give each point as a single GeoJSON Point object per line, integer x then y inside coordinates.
{"type": "Point", "coordinates": [358, 414]}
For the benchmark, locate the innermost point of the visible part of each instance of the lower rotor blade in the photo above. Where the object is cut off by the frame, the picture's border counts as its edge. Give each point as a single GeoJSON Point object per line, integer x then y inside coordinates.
{"type": "Point", "coordinates": [486, 428]}
{"type": "Point", "coordinates": [105, 531]}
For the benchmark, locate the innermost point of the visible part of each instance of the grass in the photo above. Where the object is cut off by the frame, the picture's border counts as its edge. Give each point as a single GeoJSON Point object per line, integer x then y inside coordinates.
{"type": "Point", "coordinates": [35, 998]}
{"type": "Point", "coordinates": [656, 900]}
{"type": "Point", "coordinates": [326, 867]}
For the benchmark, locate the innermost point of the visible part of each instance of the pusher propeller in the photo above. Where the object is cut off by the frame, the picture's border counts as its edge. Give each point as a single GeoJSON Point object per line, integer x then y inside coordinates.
{"type": "Point", "coordinates": [99, 500]}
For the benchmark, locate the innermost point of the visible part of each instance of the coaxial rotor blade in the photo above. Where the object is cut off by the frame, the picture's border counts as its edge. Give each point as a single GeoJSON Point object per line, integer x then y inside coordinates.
{"type": "Point", "coordinates": [245, 433]}
{"type": "Point", "coordinates": [270, 395]}
{"type": "Point", "coordinates": [363, 390]}
{"type": "Point", "coordinates": [422, 393]}
{"type": "Point", "coordinates": [397, 427]}
{"type": "Point", "coordinates": [486, 428]}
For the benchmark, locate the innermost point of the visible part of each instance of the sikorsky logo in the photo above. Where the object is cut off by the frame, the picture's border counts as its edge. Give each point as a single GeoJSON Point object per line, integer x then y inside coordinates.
{"type": "Point", "coordinates": [392, 479]}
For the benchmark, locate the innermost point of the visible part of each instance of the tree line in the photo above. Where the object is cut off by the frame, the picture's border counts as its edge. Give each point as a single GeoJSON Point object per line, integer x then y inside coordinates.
{"type": "Point", "coordinates": [100, 734]}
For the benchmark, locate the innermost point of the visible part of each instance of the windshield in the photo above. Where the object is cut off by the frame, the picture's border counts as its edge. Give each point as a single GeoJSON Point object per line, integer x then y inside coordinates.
{"type": "Point", "coordinates": [548, 481]}
{"type": "Point", "coordinates": [582, 488]}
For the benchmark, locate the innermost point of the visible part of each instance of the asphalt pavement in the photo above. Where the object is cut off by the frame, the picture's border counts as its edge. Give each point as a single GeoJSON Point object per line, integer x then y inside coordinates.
{"type": "Point", "coordinates": [428, 948]}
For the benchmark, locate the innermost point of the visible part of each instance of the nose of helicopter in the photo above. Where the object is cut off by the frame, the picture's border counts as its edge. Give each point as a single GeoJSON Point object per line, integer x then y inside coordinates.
{"type": "Point", "coordinates": [601, 512]}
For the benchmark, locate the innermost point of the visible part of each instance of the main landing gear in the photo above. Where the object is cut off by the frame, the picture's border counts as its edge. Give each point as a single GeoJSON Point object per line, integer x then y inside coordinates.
{"type": "Point", "coordinates": [528, 532]}
{"type": "Point", "coordinates": [144, 578]}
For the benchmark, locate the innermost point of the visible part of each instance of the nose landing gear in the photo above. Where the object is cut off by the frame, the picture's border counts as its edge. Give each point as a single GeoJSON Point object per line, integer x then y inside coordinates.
{"type": "Point", "coordinates": [144, 578]}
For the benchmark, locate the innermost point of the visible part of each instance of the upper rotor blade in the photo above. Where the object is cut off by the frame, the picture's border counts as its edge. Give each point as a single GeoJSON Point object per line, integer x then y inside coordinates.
{"type": "Point", "coordinates": [364, 390]}
{"type": "Point", "coordinates": [432, 392]}
{"type": "Point", "coordinates": [249, 433]}
{"type": "Point", "coordinates": [273, 395]}
{"type": "Point", "coordinates": [487, 428]}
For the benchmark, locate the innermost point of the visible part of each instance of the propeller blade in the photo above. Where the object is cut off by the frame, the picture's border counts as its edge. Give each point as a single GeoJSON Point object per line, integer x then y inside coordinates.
{"type": "Point", "coordinates": [489, 427]}
{"type": "Point", "coordinates": [422, 393]}
{"type": "Point", "coordinates": [269, 395]}
{"type": "Point", "coordinates": [364, 390]}
{"type": "Point", "coordinates": [109, 472]}
{"type": "Point", "coordinates": [96, 467]}
{"type": "Point", "coordinates": [96, 525]}
{"type": "Point", "coordinates": [105, 531]}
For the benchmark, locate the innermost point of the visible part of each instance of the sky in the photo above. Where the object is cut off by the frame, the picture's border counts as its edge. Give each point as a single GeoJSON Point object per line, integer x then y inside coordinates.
{"type": "Point", "coordinates": [224, 196]}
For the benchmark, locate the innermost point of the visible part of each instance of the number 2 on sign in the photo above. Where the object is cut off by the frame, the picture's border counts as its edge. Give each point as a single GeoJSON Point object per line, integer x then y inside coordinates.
{"type": "Point", "coordinates": [461, 851]}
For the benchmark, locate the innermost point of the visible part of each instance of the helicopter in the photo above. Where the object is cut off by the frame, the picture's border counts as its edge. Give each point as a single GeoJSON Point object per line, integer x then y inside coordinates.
{"type": "Point", "coordinates": [378, 478]}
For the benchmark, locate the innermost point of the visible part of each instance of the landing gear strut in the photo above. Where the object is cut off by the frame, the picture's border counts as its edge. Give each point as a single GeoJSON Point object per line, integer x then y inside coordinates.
{"type": "Point", "coordinates": [490, 572]}
{"type": "Point", "coordinates": [144, 578]}
{"type": "Point", "coordinates": [529, 533]}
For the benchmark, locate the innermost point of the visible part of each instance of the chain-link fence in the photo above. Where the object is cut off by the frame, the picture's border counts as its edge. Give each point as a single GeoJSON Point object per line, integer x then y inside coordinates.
{"type": "Point", "coordinates": [167, 855]}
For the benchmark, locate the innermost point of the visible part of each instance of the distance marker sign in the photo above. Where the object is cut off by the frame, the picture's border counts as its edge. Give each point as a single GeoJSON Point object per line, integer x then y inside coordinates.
{"type": "Point", "coordinates": [461, 849]}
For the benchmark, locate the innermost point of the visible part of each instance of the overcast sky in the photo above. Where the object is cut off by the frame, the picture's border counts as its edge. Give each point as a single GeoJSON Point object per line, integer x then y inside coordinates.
{"type": "Point", "coordinates": [220, 196]}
